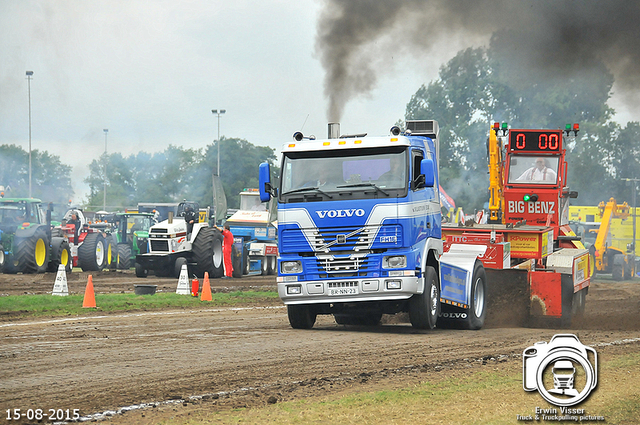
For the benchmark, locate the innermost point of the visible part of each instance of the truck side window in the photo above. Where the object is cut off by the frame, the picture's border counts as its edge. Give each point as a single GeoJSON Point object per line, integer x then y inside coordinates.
{"type": "Point", "coordinates": [416, 180]}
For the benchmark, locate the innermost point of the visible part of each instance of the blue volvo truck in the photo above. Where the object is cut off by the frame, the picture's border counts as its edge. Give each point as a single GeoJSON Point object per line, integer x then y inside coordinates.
{"type": "Point", "coordinates": [359, 232]}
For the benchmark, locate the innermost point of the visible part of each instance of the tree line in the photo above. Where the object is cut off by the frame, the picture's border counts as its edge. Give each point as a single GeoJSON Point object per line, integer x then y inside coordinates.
{"type": "Point", "coordinates": [477, 87]}
{"type": "Point", "coordinates": [175, 174]}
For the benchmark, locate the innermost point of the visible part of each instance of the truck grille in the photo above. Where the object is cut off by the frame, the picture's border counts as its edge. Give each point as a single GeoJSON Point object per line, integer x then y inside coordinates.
{"type": "Point", "coordinates": [346, 266]}
{"type": "Point", "coordinates": [159, 245]}
{"type": "Point", "coordinates": [341, 238]}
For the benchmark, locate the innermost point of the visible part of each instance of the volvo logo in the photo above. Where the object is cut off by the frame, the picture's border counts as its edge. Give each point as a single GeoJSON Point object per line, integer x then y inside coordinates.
{"type": "Point", "coordinates": [341, 213]}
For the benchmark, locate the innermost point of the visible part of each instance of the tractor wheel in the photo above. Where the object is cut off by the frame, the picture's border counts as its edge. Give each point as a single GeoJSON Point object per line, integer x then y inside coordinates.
{"type": "Point", "coordinates": [32, 253]}
{"type": "Point", "coordinates": [424, 309]}
{"type": "Point", "coordinates": [272, 263]}
{"type": "Point", "coordinates": [617, 271]}
{"type": "Point", "coordinates": [124, 256]}
{"type": "Point", "coordinates": [92, 253]}
{"type": "Point", "coordinates": [2, 258]}
{"type": "Point", "coordinates": [246, 261]}
{"type": "Point", "coordinates": [177, 267]}
{"type": "Point", "coordinates": [301, 316]}
{"type": "Point", "coordinates": [207, 252]}
{"type": "Point", "coordinates": [60, 254]}
{"type": "Point", "coordinates": [141, 271]}
{"type": "Point", "coordinates": [236, 260]}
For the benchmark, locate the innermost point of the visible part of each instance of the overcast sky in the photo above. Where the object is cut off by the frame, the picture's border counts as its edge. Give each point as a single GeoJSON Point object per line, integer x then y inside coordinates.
{"type": "Point", "coordinates": [151, 72]}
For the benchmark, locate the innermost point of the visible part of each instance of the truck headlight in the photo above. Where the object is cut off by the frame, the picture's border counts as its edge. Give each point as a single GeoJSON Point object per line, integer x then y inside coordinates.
{"type": "Point", "coordinates": [394, 262]}
{"type": "Point", "coordinates": [288, 267]}
{"type": "Point", "coordinates": [294, 289]}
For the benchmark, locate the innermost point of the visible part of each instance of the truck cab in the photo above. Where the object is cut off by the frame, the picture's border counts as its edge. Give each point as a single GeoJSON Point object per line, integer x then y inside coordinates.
{"type": "Point", "coordinates": [359, 228]}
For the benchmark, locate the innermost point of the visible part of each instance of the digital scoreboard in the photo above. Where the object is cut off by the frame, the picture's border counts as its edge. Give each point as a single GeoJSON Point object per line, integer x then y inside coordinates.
{"type": "Point", "coordinates": [535, 140]}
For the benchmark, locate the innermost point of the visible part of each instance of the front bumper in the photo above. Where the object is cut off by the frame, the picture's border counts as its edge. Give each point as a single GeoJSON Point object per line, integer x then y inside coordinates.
{"type": "Point", "coordinates": [349, 290]}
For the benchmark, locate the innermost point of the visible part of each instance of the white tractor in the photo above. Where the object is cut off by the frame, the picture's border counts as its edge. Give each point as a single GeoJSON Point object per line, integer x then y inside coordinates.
{"type": "Point", "coordinates": [176, 241]}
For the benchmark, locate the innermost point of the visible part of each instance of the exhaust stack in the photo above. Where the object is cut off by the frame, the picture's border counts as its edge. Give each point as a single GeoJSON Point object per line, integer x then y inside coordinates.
{"type": "Point", "coordinates": [334, 130]}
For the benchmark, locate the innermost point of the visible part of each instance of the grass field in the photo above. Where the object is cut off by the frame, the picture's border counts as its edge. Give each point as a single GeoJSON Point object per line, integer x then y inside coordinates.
{"type": "Point", "coordinates": [49, 305]}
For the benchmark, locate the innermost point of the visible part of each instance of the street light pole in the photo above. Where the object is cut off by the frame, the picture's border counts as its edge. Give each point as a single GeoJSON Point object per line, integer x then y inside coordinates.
{"type": "Point", "coordinates": [104, 202]}
{"type": "Point", "coordinates": [216, 112]}
{"type": "Point", "coordinates": [634, 182]}
{"type": "Point", "coordinates": [29, 76]}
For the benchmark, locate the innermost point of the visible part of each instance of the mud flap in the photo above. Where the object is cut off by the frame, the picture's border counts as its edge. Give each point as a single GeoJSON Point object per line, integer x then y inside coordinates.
{"type": "Point", "coordinates": [551, 299]}
{"type": "Point", "coordinates": [508, 296]}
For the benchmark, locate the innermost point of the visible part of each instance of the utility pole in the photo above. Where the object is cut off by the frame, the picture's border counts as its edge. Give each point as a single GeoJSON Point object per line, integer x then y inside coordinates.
{"type": "Point", "coordinates": [104, 202]}
{"type": "Point", "coordinates": [220, 112]}
{"type": "Point", "coordinates": [29, 76]}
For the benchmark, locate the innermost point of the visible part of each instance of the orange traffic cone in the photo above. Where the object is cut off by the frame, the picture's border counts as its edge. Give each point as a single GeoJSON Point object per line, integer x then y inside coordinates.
{"type": "Point", "coordinates": [89, 296]}
{"type": "Point", "coordinates": [206, 289]}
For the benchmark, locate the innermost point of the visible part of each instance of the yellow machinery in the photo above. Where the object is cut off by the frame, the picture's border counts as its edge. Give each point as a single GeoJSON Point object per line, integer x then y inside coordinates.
{"type": "Point", "coordinates": [496, 160]}
{"type": "Point", "coordinates": [609, 259]}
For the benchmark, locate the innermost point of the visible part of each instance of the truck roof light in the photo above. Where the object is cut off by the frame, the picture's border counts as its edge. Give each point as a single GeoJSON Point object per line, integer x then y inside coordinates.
{"type": "Point", "coordinates": [291, 145]}
{"type": "Point", "coordinates": [496, 125]}
{"type": "Point", "coordinates": [297, 136]}
{"type": "Point", "coordinates": [505, 126]}
{"type": "Point", "coordinates": [326, 143]}
{"type": "Point", "coordinates": [342, 142]}
{"type": "Point", "coordinates": [357, 142]}
{"type": "Point", "coordinates": [576, 126]}
{"type": "Point", "coordinates": [567, 127]}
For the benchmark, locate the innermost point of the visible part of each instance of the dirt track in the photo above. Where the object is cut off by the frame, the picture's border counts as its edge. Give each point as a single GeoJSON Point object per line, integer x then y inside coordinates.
{"type": "Point", "coordinates": [229, 357]}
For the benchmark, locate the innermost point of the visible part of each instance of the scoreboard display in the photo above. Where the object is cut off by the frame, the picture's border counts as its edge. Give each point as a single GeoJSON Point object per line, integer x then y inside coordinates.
{"type": "Point", "coordinates": [535, 141]}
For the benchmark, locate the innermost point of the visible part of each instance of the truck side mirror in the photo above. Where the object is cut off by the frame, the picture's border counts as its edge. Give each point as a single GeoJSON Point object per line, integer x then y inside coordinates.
{"type": "Point", "coordinates": [427, 169]}
{"type": "Point", "coordinates": [264, 176]}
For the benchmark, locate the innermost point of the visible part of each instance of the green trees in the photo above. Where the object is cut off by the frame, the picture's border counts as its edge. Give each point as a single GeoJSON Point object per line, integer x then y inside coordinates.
{"type": "Point", "coordinates": [483, 85]}
{"type": "Point", "coordinates": [50, 179]}
{"type": "Point", "coordinates": [177, 173]}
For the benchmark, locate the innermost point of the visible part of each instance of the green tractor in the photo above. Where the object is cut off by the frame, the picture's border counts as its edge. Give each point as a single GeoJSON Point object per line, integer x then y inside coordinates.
{"type": "Point", "coordinates": [27, 243]}
{"type": "Point", "coordinates": [131, 236]}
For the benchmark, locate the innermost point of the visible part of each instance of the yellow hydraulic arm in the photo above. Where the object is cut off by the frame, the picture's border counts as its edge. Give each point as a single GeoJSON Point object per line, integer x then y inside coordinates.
{"type": "Point", "coordinates": [496, 194]}
{"type": "Point", "coordinates": [607, 211]}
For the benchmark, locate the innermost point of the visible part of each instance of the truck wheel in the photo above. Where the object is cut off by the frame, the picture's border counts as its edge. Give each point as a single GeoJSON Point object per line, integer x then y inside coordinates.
{"type": "Point", "coordinates": [264, 266]}
{"type": "Point", "coordinates": [236, 260]}
{"type": "Point", "coordinates": [177, 267]}
{"type": "Point", "coordinates": [141, 271]}
{"type": "Point", "coordinates": [32, 253]}
{"type": "Point", "coordinates": [60, 254]}
{"type": "Point", "coordinates": [124, 256]}
{"type": "Point", "coordinates": [92, 253]}
{"type": "Point", "coordinates": [272, 262]}
{"type": "Point", "coordinates": [618, 267]}
{"type": "Point", "coordinates": [301, 316]}
{"type": "Point", "coordinates": [477, 311]}
{"type": "Point", "coordinates": [424, 308]}
{"type": "Point", "coordinates": [207, 252]}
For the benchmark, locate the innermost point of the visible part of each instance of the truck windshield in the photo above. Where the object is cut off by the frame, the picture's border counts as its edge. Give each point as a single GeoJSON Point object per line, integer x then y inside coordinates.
{"type": "Point", "coordinates": [252, 202]}
{"type": "Point", "coordinates": [345, 171]}
{"type": "Point", "coordinates": [533, 170]}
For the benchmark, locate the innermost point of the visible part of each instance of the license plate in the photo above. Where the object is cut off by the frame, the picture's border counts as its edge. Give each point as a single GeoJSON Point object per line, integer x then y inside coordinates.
{"type": "Point", "coordinates": [343, 291]}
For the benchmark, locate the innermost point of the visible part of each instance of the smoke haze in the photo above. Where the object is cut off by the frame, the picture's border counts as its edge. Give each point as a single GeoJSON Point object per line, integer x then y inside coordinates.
{"type": "Point", "coordinates": [357, 40]}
